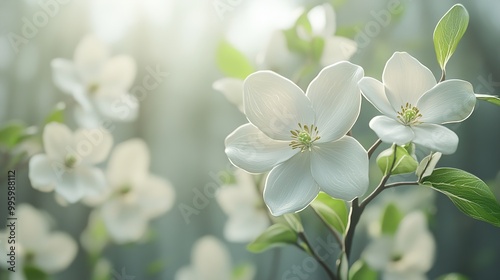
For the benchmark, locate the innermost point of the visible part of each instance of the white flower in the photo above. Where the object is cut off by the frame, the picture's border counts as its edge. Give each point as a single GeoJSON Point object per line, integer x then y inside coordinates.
{"type": "Point", "coordinates": [302, 137]}
{"type": "Point", "coordinates": [414, 105]}
{"type": "Point", "coordinates": [67, 165]}
{"type": "Point", "coordinates": [232, 88]}
{"type": "Point", "coordinates": [336, 48]}
{"type": "Point", "coordinates": [245, 208]}
{"type": "Point", "coordinates": [135, 196]}
{"type": "Point", "coordinates": [409, 254]}
{"type": "Point", "coordinates": [98, 82]}
{"type": "Point", "coordinates": [36, 245]}
{"type": "Point", "coordinates": [210, 260]}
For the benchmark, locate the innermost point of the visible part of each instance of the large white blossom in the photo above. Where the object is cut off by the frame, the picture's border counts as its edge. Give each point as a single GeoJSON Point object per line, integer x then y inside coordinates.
{"type": "Point", "coordinates": [36, 245]}
{"type": "Point", "coordinates": [99, 83]}
{"type": "Point", "coordinates": [243, 204]}
{"type": "Point", "coordinates": [67, 166]}
{"type": "Point", "coordinates": [409, 254]}
{"type": "Point", "coordinates": [210, 260]}
{"type": "Point", "coordinates": [301, 137]}
{"type": "Point", "coordinates": [134, 196]}
{"type": "Point", "coordinates": [414, 105]}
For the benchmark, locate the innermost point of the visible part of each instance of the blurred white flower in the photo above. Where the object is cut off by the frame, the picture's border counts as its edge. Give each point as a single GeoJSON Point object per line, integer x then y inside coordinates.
{"type": "Point", "coordinates": [245, 208]}
{"type": "Point", "coordinates": [414, 105]}
{"type": "Point", "coordinates": [135, 196]}
{"type": "Point", "coordinates": [302, 137]}
{"type": "Point", "coordinates": [67, 165]}
{"type": "Point", "coordinates": [98, 82]}
{"type": "Point", "coordinates": [36, 246]}
{"type": "Point", "coordinates": [210, 260]}
{"type": "Point", "coordinates": [409, 254]}
{"type": "Point", "coordinates": [232, 89]}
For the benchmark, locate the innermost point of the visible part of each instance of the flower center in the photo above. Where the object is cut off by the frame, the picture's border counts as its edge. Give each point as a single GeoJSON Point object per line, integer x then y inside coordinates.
{"type": "Point", "coordinates": [304, 137]}
{"type": "Point", "coordinates": [409, 115]}
{"type": "Point", "coordinates": [125, 190]}
{"type": "Point", "coordinates": [93, 88]}
{"type": "Point", "coordinates": [70, 161]}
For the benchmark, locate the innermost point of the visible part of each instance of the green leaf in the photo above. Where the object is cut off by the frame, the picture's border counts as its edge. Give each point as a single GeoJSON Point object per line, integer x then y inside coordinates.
{"type": "Point", "coordinates": [332, 211]}
{"type": "Point", "coordinates": [34, 273]}
{"type": "Point", "coordinates": [156, 267]}
{"type": "Point", "coordinates": [232, 62]}
{"type": "Point", "coordinates": [449, 30]}
{"type": "Point", "coordinates": [404, 162]}
{"type": "Point", "coordinates": [57, 115]}
{"type": "Point", "coordinates": [294, 221]}
{"type": "Point", "coordinates": [490, 98]}
{"type": "Point", "coordinates": [391, 219]}
{"type": "Point", "coordinates": [243, 271]}
{"type": "Point", "coordinates": [453, 276]}
{"type": "Point", "coordinates": [361, 271]}
{"type": "Point", "coordinates": [12, 134]}
{"type": "Point", "coordinates": [471, 195]}
{"type": "Point", "coordinates": [275, 235]}
{"type": "Point", "coordinates": [317, 46]}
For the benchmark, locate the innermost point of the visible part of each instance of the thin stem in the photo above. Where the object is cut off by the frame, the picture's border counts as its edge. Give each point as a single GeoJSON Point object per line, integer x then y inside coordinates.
{"type": "Point", "coordinates": [443, 75]}
{"type": "Point", "coordinates": [374, 147]}
{"type": "Point", "coordinates": [392, 185]}
{"type": "Point", "coordinates": [330, 273]}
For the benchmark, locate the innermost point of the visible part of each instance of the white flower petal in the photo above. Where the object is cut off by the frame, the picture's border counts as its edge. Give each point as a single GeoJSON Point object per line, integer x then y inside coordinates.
{"type": "Point", "coordinates": [119, 71]}
{"type": "Point", "coordinates": [90, 54]}
{"type": "Point", "coordinates": [336, 49]}
{"type": "Point", "coordinates": [391, 131]}
{"type": "Point", "coordinates": [374, 92]}
{"type": "Point", "coordinates": [211, 259]}
{"type": "Point", "coordinates": [406, 80]}
{"type": "Point", "coordinates": [156, 196]}
{"type": "Point", "coordinates": [379, 252]}
{"type": "Point", "coordinates": [69, 187]}
{"type": "Point", "coordinates": [436, 137]}
{"type": "Point", "coordinates": [322, 19]}
{"type": "Point", "coordinates": [449, 101]}
{"type": "Point", "coordinates": [93, 145]}
{"type": "Point", "coordinates": [186, 273]}
{"type": "Point", "coordinates": [250, 149]}
{"type": "Point", "coordinates": [65, 76]}
{"type": "Point", "coordinates": [290, 186]}
{"type": "Point", "coordinates": [57, 138]}
{"type": "Point", "coordinates": [341, 168]}
{"type": "Point", "coordinates": [276, 56]}
{"type": "Point", "coordinates": [247, 227]}
{"type": "Point", "coordinates": [42, 172]}
{"type": "Point", "coordinates": [275, 104]}
{"type": "Point", "coordinates": [336, 99]}
{"type": "Point", "coordinates": [91, 180]}
{"type": "Point", "coordinates": [33, 226]}
{"type": "Point", "coordinates": [124, 220]}
{"type": "Point", "coordinates": [117, 105]}
{"type": "Point", "coordinates": [129, 163]}
{"type": "Point", "coordinates": [87, 118]}
{"type": "Point", "coordinates": [57, 251]}
{"type": "Point", "coordinates": [232, 89]}
{"type": "Point", "coordinates": [236, 198]}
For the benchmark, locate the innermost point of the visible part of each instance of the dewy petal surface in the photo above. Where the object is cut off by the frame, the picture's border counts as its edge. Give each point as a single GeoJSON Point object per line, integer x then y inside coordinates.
{"type": "Point", "coordinates": [275, 104]}
{"type": "Point", "coordinates": [406, 79]}
{"type": "Point", "coordinates": [374, 91]}
{"type": "Point", "coordinates": [436, 137]}
{"type": "Point", "coordinates": [391, 131]}
{"type": "Point", "coordinates": [448, 101]}
{"type": "Point", "coordinates": [251, 150]}
{"type": "Point", "coordinates": [336, 99]}
{"type": "Point", "coordinates": [290, 186]}
{"type": "Point", "coordinates": [341, 168]}
{"type": "Point", "coordinates": [56, 139]}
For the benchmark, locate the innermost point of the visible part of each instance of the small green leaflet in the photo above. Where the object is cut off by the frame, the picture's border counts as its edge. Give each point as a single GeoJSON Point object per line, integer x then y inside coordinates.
{"type": "Point", "coordinates": [294, 221]}
{"type": "Point", "coordinates": [232, 62]}
{"type": "Point", "coordinates": [391, 219]}
{"type": "Point", "coordinates": [490, 98]}
{"type": "Point", "coordinates": [469, 193]}
{"type": "Point", "coordinates": [361, 271]}
{"type": "Point", "coordinates": [449, 30]}
{"type": "Point", "coordinates": [273, 236]}
{"type": "Point", "coordinates": [332, 211]}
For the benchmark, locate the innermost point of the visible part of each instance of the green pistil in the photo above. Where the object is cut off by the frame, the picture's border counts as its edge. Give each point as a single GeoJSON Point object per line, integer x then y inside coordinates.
{"type": "Point", "coordinates": [304, 137]}
{"type": "Point", "coordinates": [93, 88]}
{"type": "Point", "coordinates": [409, 115]}
{"type": "Point", "coordinates": [125, 190]}
{"type": "Point", "coordinates": [70, 162]}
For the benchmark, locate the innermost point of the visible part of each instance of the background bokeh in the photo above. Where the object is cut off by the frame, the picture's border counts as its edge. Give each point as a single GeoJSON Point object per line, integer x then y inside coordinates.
{"type": "Point", "coordinates": [184, 121]}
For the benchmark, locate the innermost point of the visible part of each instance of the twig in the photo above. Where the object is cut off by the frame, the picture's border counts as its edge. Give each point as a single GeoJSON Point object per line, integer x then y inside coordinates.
{"type": "Point", "coordinates": [330, 273]}
{"type": "Point", "coordinates": [373, 148]}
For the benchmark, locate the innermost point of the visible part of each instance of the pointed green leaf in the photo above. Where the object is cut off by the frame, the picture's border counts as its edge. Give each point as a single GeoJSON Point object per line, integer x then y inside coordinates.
{"type": "Point", "coordinates": [391, 219]}
{"type": "Point", "coordinates": [332, 211]}
{"type": "Point", "coordinates": [294, 221]}
{"type": "Point", "coordinates": [317, 46]}
{"type": "Point", "coordinates": [34, 273]}
{"type": "Point", "coordinates": [449, 30]}
{"type": "Point", "coordinates": [361, 271]}
{"type": "Point", "coordinates": [232, 62]}
{"type": "Point", "coordinates": [490, 98]}
{"type": "Point", "coordinates": [12, 134]}
{"type": "Point", "coordinates": [275, 235]}
{"type": "Point", "coordinates": [404, 162]}
{"type": "Point", "coordinates": [57, 115]}
{"type": "Point", "coordinates": [243, 271]}
{"type": "Point", "coordinates": [469, 193]}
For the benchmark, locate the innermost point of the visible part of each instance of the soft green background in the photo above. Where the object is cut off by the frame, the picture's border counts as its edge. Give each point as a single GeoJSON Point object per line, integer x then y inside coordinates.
{"type": "Point", "coordinates": [185, 121]}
